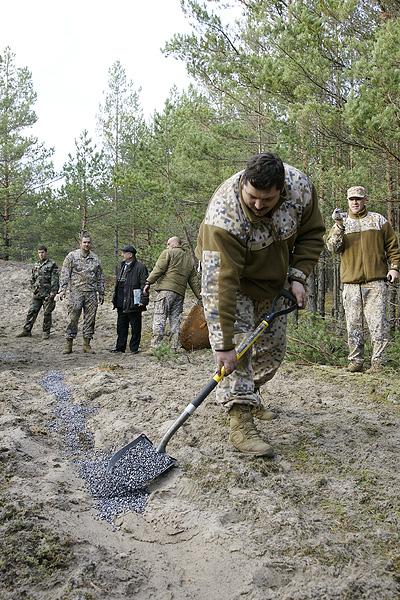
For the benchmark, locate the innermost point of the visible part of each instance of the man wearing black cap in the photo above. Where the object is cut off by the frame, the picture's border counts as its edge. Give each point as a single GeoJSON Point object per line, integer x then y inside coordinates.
{"type": "Point", "coordinates": [129, 300]}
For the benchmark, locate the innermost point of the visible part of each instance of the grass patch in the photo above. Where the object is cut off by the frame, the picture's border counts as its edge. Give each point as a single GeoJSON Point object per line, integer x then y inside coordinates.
{"type": "Point", "coordinates": [30, 552]}
{"type": "Point", "coordinates": [165, 352]}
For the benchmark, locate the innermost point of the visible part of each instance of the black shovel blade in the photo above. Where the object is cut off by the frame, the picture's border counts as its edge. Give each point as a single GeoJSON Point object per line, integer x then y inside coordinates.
{"type": "Point", "coordinates": [138, 463]}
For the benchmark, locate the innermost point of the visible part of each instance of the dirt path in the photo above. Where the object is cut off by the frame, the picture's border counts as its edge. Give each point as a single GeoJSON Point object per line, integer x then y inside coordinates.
{"type": "Point", "coordinates": [321, 521]}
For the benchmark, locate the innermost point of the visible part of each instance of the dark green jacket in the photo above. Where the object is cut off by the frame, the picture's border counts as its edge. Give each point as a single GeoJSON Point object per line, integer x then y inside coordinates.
{"type": "Point", "coordinates": [173, 271]}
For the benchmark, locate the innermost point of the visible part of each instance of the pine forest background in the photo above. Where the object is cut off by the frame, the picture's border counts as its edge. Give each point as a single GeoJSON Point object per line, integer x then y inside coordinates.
{"type": "Point", "coordinates": [318, 82]}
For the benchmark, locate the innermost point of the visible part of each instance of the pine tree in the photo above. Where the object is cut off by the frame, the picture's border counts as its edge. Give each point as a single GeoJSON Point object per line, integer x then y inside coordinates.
{"type": "Point", "coordinates": [25, 166]}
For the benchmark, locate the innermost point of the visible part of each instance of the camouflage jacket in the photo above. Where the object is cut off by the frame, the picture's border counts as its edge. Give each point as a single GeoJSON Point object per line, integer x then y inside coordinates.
{"type": "Point", "coordinates": [240, 251]}
{"type": "Point", "coordinates": [44, 278]}
{"type": "Point", "coordinates": [82, 273]}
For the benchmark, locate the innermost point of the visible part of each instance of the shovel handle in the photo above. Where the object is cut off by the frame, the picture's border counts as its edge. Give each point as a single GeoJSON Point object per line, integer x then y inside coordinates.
{"type": "Point", "coordinates": [262, 327]}
{"type": "Point", "coordinates": [240, 350]}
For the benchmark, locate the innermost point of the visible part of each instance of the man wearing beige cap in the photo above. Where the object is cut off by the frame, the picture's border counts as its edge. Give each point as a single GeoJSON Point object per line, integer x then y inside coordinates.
{"type": "Point", "coordinates": [370, 256]}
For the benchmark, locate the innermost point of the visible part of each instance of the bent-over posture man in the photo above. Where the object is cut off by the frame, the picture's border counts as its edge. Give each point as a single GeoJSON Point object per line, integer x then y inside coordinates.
{"type": "Point", "coordinates": [369, 255]}
{"type": "Point", "coordinates": [262, 228]}
{"type": "Point", "coordinates": [83, 273]}
{"type": "Point", "coordinates": [44, 287]}
{"type": "Point", "coordinates": [173, 271]}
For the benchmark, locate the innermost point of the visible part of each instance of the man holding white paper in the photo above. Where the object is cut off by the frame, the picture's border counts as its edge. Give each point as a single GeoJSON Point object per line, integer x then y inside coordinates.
{"type": "Point", "coordinates": [130, 300]}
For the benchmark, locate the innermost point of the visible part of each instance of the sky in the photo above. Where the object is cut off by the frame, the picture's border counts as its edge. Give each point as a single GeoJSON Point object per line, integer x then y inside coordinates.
{"type": "Point", "coordinates": [69, 48]}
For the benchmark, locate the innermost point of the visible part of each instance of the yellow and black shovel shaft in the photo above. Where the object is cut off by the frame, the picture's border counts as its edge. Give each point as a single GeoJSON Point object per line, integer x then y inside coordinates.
{"type": "Point", "coordinates": [245, 345]}
{"type": "Point", "coordinates": [208, 388]}
{"type": "Point", "coordinates": [240, 350]}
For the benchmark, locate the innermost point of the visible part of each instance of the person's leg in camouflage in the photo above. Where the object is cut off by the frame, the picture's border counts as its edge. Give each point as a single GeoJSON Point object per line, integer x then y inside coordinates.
{"type": "Point", "coordinates": [175, 311]}
{"type": "Point", "coordinates": [159, 319]}
{"type": "Point", "coordinates": [268, 353]}
{"type": "Point", "coordinates": [49, 305]}
{"type": "Point", "coordinates": [33, 311]}
{"type": "Point", "coordinates": [237, 392]}
{"type": "Point", "coordinates": [75, 305]}
{"type": "Point", "coordinates": [89, 320]}
{"type": "Point", "coordinates": [375, 306]}
{"type": "Point", "coordinates": [353, 308]}
{"type": "Point", "coordinates": [89, 315]}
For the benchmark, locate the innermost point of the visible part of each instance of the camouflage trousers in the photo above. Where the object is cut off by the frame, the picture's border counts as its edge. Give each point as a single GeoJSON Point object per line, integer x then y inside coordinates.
{"type": "Point", "coordinates": [35, 305]}
{"type": "Point", "coordinates": [369, 301]}
{"type": "Point", "coordinates": [86, 301]}
{"type": "Point", "coordinates": [167, 305]}
{"type": "Point", "coordinates": [260, 363]}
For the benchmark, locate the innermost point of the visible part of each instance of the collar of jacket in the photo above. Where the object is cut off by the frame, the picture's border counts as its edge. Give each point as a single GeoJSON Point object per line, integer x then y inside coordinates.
{"type": "Point", "coordinates": [251, 216]}
{"type": "Point", "coordinates": [363, 213]}
{"type": "Point", "coordinates": [129, 265]}
{"type": "Point", "coordinates": [40, 263]}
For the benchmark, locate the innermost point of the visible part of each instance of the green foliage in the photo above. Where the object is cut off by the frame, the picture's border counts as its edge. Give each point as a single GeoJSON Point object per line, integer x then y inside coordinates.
{"type": "Point", "coordinates": [318, 82]}
{"type": "Point", "coordinates": [24, 163]}
{"type": "Point", "coordinates": [393, 353]}
{"type": "Point", "coordinates": [315, 340]}
{"type": "Point", "coordinates": [165, 352]}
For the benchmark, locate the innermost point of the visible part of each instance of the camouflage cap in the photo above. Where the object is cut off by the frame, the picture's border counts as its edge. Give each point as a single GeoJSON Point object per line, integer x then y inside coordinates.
{"type": "Point", "coordinates": [356, 192]}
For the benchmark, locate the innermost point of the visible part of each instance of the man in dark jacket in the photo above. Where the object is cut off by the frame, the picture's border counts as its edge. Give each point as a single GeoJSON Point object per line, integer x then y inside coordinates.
{"type": "Point", "coordinates": [129, 300]}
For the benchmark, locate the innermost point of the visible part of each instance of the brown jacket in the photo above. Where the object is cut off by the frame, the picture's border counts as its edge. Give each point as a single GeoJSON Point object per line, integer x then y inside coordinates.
{"type": "Point", "coordinates": [368, 247]}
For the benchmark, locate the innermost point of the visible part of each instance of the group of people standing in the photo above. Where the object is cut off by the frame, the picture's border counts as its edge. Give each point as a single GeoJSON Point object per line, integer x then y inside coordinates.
{"type": "Point", "coordinates": [262, 231]}
{"type": "Point", "coordinates": [82, 273]}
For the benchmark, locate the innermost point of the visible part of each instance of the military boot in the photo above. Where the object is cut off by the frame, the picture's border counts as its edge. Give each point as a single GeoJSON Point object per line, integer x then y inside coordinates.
{"type": "Point", "coordinates": [86, 346]}
{"type": "Point", "coordinates": [68, 346]}
{"type": "Point", "coordinates": [45, 335]}
{"type": "Point", "coordinates": [355, 367]}
{"type": "Point", "coordinates": [263, 413]}
{"type": "Point", "coordinates": [24, 333]}
{"type": "Point", "coordinates": [375, 368]}
{"type": "Point", "coordinates": [244, 435]}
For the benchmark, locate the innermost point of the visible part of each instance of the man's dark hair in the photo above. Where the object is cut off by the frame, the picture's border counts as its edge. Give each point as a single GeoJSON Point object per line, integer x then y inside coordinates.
{"type": "Point", "coordinates": [85, 235]}
{"type": "Point", "coordinates": [42, 248]}
{"type": "Point", "coordinates": [265, 171]}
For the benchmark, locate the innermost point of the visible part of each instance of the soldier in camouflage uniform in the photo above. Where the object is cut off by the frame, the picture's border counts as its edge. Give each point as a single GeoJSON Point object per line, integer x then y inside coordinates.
{"type": "Point", "coordinates": [83, 272]}
{"type": "Point", "coordinates": [173, 271]}
{"type": "Point", "coordinates": [262, 228]}
{"type": "Point", "coordinates": [369, 254]}
{"type": "Point", "coordinates": [44, 286]}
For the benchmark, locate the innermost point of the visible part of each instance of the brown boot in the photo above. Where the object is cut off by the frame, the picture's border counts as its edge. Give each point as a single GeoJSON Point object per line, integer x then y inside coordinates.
{"type": "Point", "coordinates": [86, 346]}
{"type": "Point", "coordinates": [355, 367]}
{"type": "Point", "coordinates": [375, 369]}
{"type": "Point", "coordinates": [24, 333]}
{"type": "Point", "coordinates": [244, 436]}
{"type": "Point", "coordinates": [68, 346]}
{"type": "Point", "coordinates": [263, 413]}
{"type": "Point", "coordinates": [45, 335]}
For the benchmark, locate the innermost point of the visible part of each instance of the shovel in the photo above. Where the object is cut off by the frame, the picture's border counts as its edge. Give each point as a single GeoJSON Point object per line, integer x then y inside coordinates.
{"type": "Point", "coordinates": [143, 442]}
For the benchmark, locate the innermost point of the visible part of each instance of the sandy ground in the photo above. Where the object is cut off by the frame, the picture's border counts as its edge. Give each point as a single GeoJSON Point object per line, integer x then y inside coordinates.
{"type": "Point", "coordinates": [320, 521]}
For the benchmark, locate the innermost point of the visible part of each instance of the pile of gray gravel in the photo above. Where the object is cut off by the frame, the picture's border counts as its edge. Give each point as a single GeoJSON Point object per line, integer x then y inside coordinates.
{"type": "Point", "coordinates": [122, 490]}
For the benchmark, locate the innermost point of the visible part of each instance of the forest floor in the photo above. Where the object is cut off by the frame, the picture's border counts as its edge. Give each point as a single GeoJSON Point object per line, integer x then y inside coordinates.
{"type": "Point", "coordinates": [320, 521]}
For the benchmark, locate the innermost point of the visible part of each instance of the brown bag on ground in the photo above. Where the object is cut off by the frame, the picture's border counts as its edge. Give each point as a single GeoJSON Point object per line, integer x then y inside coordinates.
{"type": "Point", "coordinates": [194, 331]}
